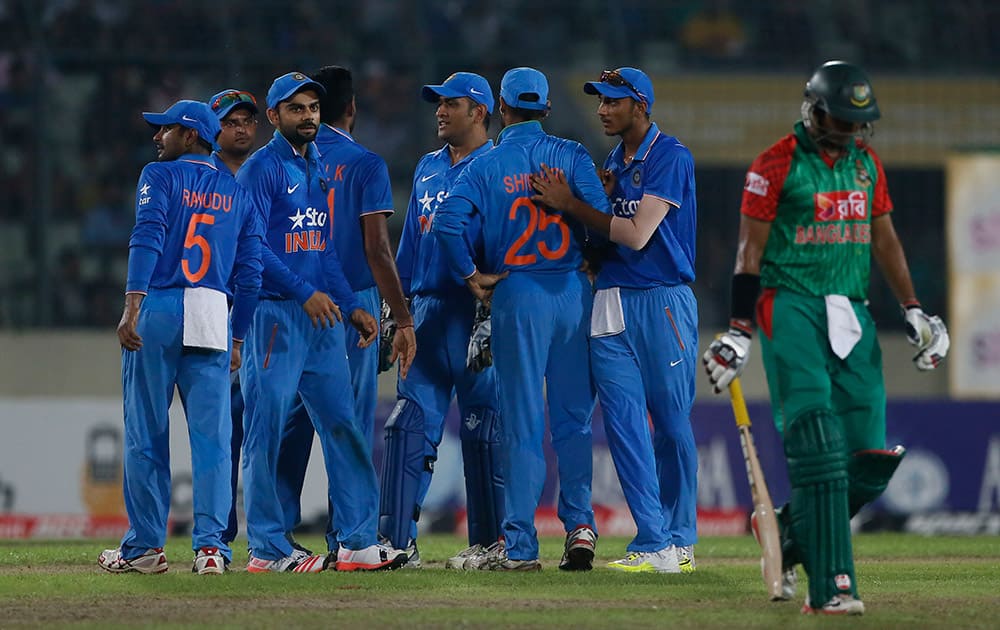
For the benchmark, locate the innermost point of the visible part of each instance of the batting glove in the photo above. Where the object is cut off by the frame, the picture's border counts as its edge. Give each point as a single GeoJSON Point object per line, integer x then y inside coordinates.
{"type": "Point", "coordinates": [929, 335]}
{"type": "Point", "coordinates": [480, 356]}
{"type": "Point", "coordinates": [387, 329]}
{"type": "Point", "coordinates": [726, 357]}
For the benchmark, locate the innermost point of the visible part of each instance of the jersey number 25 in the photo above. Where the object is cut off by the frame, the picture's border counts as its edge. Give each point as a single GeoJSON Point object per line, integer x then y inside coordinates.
{"type": "Point", "coordinates": [538, 220]}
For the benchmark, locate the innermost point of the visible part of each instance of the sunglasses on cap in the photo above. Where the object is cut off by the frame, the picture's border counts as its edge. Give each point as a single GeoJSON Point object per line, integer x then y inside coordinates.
{"type": "Point", "coordinates": [615, 79]}
{"type": "Point", "coordinates": [232, 98]}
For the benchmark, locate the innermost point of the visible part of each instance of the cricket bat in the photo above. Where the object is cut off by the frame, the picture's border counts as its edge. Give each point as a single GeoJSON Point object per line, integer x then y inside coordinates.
{"type": "Point", "coordinates": [767, 522]}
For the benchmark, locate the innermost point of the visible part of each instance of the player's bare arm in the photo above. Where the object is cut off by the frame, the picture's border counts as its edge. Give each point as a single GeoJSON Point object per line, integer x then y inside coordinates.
{"type": "Point", "coordinates": [366, 325]}
{"type": "Point", "coordinates": [633, 232]}
{"type": "Point", "coordinates": [753, 235]}
{"type": "Point", "coordinates": [888, 254]}
{"type": "Point", "coordinates": [128, 336]}
{"type": "Point", "coordinates": [322, 310]}
{"type": "Point", "coordinates": [383, 266]}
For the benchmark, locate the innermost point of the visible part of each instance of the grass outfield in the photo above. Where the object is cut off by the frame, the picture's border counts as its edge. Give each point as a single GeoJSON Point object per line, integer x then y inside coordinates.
{"type": "Point", "coordinates": [906, 581]}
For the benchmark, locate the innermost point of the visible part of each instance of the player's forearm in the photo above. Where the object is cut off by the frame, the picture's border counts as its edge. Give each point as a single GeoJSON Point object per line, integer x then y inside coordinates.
{"type": "Point", "coordinates": [635, 232]}
{"type": "Point", "coordinates": [450, 222]}
{"type": "Point", "coordinates": [589, 216]}
{"type": "Point", "coordinates": [889, 256]}
{"type": "Point", "coordinates": [141, 262]}
{"type": "Point", "coordinates": [390, 287]}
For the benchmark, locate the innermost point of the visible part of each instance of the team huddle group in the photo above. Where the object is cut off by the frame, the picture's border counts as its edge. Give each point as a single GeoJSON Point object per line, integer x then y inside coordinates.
{"type": "Point", "coordinates": [527, 283]}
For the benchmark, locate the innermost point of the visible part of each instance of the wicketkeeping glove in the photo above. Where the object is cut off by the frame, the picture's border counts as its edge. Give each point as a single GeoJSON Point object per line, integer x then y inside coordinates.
{"type": "Point", "coordinates": [387, 329]}
{"type": "Point", "coordinates": [930, 337]}
{"type": "Point", "coordinates": [726, 357]}
{"type": "Point", "coordinates": [479, 356]}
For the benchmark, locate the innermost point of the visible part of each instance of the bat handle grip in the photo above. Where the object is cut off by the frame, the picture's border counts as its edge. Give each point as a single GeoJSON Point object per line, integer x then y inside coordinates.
{"type": "Point", "coordinates": [739, 404]}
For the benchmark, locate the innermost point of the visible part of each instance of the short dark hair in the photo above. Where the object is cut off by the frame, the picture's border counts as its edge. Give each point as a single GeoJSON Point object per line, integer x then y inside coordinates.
{"type": "Point", "coordinates": [339, 84]}
{"type": "Point", "coordinates": [528, 114]}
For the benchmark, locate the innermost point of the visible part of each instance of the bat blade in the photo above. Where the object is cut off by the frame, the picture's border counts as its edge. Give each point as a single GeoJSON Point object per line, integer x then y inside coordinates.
{"type": "Point", "coordinates": [766, 530]}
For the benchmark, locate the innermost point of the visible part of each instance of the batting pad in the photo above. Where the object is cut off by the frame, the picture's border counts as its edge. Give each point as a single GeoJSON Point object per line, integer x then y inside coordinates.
{"type": "Point", "coordinates": [868, 474]}
{"type": "Point", "coordinates": [817, 467]}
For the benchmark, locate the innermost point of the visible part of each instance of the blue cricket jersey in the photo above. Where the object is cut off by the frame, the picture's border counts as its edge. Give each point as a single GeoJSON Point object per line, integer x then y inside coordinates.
{"type": "Point", "coordinates": [662, 168]}
{"type": "Point", "coordinates": [196, 227]}
{"type": "Point", "coordinates": [291, 192]}
{"type": "Point", "coordinates": [423, 267]}
{"type": "Point", "coordinates": [518, 236]}
{"type": "Point", "coordinates": [359, 184]}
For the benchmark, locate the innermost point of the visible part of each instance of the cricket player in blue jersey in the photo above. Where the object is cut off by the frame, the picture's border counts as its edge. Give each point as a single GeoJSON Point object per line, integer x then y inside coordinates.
{"type": "Point", "coordinates": [644, 329]}
{"type": "Point", "coordinates": [297, 347]}
{"type": "Point", "coordinates": [237, 112]}
{"type": "Point", "coordinates": [444, 314]}
{"type": "Point", "coordinates": [540, 310]}
{"type": "Point", "coordinates": [195, 228]}
{"type": "Point", "coordinates": [359, 200]}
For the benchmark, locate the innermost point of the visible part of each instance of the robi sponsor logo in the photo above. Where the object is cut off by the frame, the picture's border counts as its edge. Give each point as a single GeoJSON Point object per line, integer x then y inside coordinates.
{"type": "Point", "coordinates": [841, 205]}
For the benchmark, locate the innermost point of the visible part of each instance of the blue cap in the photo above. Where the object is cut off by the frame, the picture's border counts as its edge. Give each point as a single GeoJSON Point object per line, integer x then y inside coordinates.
{"type": "Point", "coordinates": [229, 99]}
{"type": "Point", "coordinates": [287, 85]}
{"type": "Point", "coordinates": [461, 84]}
{"type": "Point", "coordinates": [526, 88]}
{"type": "Point", "coordinates": [623, 83]}
{"type": "Point", "coordinates": [191, 114]}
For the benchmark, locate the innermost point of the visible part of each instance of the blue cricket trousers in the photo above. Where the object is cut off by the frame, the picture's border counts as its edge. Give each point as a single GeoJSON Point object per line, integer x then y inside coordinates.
{"type": "Point", "coordinates": [540, 328]}
{"type": "Point", "coordinates": [285, 356]}
{"type": "Point", "coordinates": [149, 376]}
{"type": "Point", "coordinates": [647, 373]}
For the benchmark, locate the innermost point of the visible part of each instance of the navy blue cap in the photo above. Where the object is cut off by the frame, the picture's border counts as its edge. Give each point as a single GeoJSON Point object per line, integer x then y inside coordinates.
{"type": "Point", "coordinates": [287, 85]}
{"type": "Point", "coordinates": [461, 84]}
{"type": "Point", "coordinates": [623, 83]}
{"type": "Point", "coordinates": [526, 88]}
{"type": "Point", "coordinates": [229, 99]}
{"type": "Point", "coordinates": [191, 114]}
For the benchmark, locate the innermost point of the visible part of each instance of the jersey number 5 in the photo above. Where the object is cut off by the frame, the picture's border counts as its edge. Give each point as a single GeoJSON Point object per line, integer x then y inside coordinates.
{"type": "Point", "coordinates": [197, 240]}
{"type": "Point", "coordinates": [538, 220]}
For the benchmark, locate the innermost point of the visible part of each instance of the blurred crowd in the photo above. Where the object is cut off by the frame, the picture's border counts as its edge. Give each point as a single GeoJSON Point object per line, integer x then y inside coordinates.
{"type": "Point", "coordinates": [75, 74]}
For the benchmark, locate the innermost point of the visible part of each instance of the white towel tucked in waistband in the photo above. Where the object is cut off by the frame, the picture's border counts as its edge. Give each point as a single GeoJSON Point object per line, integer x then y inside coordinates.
{"type": "Point", "coordinates": [843, 327]}
{"type": "Point", "coordinates": [206, 319]}
{"type": "Point", "coordinates": [607, 317]}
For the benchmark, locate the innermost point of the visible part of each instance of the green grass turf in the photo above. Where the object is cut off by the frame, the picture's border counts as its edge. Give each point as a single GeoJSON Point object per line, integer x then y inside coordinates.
{"type": "Point", "coordinates": [906, 581]}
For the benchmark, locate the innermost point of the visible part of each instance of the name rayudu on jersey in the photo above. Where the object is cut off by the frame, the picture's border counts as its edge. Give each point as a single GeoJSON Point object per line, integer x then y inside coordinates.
{"type": "Point", "coordinates": [207, 200]}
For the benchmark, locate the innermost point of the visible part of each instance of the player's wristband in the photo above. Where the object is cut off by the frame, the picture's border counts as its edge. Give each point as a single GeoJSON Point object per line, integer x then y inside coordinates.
{"type": "Point", "coordinates": [908, 304]}
{"type": "Point", "coordinates": [743, 300]}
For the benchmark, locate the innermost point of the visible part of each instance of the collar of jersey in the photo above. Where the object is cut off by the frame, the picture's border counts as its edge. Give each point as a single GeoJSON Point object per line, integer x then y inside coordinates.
{"type": "Point", "coordinates": [643, 152]}
{"type": "Point", "coordinates": [445, 156]}
{"type": "Point", "coordinates": [520, 130]}
{"type": "Point", "coordinates": [196, 158]}
{"type": "Point", "coordinates": [326, 129]}
{"type": "Point", "coordinates": [285, 150]}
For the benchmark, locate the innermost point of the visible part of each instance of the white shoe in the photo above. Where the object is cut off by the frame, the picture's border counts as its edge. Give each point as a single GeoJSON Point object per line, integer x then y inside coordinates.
{"type": "Point", "coordinates": [412, 556]}
{"type": "Point", "coordinates": [208, 561]}
{"type": "Point", "coordinates": [578, 551]}
{"type": "Point", "coordinates": [482, 559]}
{"type": "Point", "coordinates": [153, 561]}
{"type": "Point", "coordinates": [685, 559]}
{"type": "Point", "coordinates": [839, 605]}
{"type": "Point", "coordinates": [458, 560]}
{"type": "Point", "coordinates": [662, 561]}
{"type": "Point", "coordinates": [298, 562]}
{"type": "Point", "coordinates": [371, 558]}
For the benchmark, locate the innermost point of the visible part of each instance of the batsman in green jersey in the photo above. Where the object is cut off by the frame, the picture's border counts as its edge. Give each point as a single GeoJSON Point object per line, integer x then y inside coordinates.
{"type": "Point", "coordinates": [815, 210]}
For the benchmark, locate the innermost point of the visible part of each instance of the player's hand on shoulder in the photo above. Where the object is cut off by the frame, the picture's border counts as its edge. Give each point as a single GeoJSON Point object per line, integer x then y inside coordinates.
{"type": "Point", "coordinates": [726, 357]}
{"type": "Point", "coordinates": [322, 310]}
{"type": "Point", "coordinates": [928, 335]}
{"type": "Point", "coordinates": [366, 325]}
